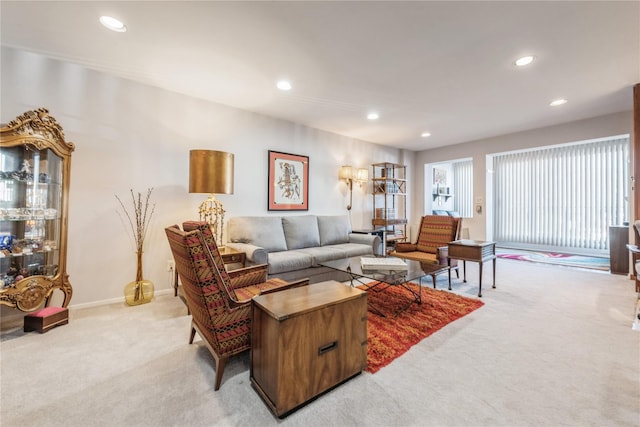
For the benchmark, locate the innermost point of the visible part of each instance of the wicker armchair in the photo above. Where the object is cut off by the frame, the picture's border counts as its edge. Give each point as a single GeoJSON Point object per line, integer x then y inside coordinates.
{"type": "Point", "coordinates": [220, 302]}
{"type": "Point", "coordinates": [436, 231]}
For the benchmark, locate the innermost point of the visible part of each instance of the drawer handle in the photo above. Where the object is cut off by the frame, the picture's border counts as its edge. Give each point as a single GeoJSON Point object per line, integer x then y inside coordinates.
{"type": "Point", "coordinates": [327, 348]}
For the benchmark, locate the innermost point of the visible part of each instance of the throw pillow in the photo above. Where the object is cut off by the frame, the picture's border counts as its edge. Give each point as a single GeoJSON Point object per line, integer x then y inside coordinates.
{"type": "Point", "coordinates": [301, 231]}
{"type": "Point", "coordinates": [262, 231]}
{"type": "Point", "coordinates": [334, 229]}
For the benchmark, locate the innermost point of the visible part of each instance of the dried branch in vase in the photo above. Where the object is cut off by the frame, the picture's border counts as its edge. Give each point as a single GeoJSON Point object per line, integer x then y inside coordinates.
{"type": "Point", "coordinates": [139, 224]}
{"type": "Point", "coordinates": [142, 215]}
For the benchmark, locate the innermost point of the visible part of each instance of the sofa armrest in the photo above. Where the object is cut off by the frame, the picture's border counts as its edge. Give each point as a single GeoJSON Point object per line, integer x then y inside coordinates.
{"type": "Point", "coordinates": [365, 239]}
{"type": "Point", "coordinates": [255, 254]}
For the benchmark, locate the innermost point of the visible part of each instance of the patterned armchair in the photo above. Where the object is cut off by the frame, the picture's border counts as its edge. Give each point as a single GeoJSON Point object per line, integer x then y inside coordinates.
{"type": "Point", "coordinates": [436, 231]}
{"type": "Point", "coordinates": [220, 302]}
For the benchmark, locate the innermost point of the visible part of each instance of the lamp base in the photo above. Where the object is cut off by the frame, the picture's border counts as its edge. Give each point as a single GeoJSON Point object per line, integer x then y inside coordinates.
{"type": "Point", "coordinates": [212, 212]}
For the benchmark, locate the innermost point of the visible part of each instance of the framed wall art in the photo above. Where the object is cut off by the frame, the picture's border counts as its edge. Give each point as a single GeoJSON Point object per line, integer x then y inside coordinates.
{"type": "Point", "coordinates": [439, 176]}
{"type": "Point", "coordinates": [288, 182]}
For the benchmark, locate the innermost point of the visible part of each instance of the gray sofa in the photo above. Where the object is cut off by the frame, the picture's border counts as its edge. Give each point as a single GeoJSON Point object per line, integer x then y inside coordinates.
{"type": "Point", "coordinates": [294, 246]}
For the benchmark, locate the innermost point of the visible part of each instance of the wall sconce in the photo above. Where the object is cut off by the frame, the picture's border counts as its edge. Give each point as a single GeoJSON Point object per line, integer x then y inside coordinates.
{"type": "Point", "coordinates": [211, 172]}
{"type": "Point", "coordinates": [347, 173]}
{"type": "Point", "coordinates": [363, 176]}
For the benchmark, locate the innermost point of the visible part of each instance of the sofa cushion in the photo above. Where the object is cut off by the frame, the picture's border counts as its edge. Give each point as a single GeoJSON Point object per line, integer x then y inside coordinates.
{"type": "Point", "coordinates": [419, 256]}
{"type": "Point", "coordinates": [436, 231]}
{"type": "Point", "coordinates": [352, 249]}
{"type": "Point", "coordinates": [280, 262]}
{"type": "Point", "coordinates": [301, 231]}
{"type": "Point", "coordinates": [322, 254]}
{"type": "Point", "coordinates": [334, 229]}
{"type": "Point", "coordinates": [263, 231]}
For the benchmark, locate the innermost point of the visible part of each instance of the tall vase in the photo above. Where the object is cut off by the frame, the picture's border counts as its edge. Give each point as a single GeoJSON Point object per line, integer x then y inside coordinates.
{"type": "Point", "coordinates": [139, 291]}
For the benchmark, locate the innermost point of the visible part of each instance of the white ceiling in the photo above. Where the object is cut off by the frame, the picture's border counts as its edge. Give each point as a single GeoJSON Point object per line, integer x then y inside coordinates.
{"type": "Point", "coordinates": [442, 67]}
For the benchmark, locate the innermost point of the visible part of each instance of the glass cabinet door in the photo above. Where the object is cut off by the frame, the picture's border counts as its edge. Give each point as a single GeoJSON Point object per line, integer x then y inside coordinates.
{"type": "Point", "coordinates": [34, 166]}
{"type": "Point", "coordinates": [30, 197]}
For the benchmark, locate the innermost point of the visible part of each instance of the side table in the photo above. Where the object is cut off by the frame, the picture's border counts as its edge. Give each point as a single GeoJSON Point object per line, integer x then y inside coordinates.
{"type": "Point", "coordinates": [306, 341]}
{"type": "Point", "coordinates": [475, 251]}
{"type": "Point", "coordinates": [229, 256]}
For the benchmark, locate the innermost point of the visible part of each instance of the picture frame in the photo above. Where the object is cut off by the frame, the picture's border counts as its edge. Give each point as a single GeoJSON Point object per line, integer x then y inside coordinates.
{"type": "Point", "coordinates": [439, 176]}
{"type": "Point", "coordinates": [288, 182]}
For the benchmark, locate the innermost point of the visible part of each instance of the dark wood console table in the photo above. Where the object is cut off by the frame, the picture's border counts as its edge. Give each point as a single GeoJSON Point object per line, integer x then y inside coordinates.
{"type": "Point", "coordinates": [618, 252]}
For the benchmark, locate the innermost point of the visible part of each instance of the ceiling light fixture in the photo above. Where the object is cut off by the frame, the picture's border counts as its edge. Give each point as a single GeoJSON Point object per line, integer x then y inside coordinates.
{"type": "Point", "coordinates": [283, 85]}
{"type": "Point", "coordinates": [373, 116]}
{"type": "Point", "coordinates": [425, 134]}
{"type": "Point", "coordinates": [525, 60]}
{"type": "Point", "coordinates": [557, 102]}
{"type": "Point", "coordinates": [113, 24]}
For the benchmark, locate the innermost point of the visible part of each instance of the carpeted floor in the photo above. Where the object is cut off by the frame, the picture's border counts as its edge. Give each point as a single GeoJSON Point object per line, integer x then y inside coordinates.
{"type": "Point", "coordinates": [390, 336]}
{"type": "Point", "coordinates": [567, 260]}
{"type": "Point", "coordinates": [552, 346]}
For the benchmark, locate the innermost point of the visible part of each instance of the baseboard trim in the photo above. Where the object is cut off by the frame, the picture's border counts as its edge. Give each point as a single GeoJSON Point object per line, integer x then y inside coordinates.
{"type": "Point", "coordinates": [8, 320]}
{"type": "Point", "coordinates": [113, 300]}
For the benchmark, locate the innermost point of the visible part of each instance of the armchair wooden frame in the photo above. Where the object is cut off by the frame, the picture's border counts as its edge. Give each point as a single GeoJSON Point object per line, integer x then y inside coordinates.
{"type": "Point", "coordinates": [431, 248]}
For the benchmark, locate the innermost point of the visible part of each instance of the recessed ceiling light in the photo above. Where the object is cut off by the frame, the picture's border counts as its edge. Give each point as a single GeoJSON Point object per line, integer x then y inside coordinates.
{"type": "Point", "coordinates": [113, 24]}
{"type": "Point", "coordinates": [525, 60]}
{"type": "Point", "coordinates": [283, 85]}
{"type": "Point", "coordinates": [557, 102]}
{"type": "Point", "coordinates": [425, 134]}
{"type": "Point", "coordinates": [373, 116]}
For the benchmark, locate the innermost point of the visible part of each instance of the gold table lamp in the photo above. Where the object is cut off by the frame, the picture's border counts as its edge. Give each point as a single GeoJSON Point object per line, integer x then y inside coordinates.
{"type": "Point", "coordinates": [211, 172]}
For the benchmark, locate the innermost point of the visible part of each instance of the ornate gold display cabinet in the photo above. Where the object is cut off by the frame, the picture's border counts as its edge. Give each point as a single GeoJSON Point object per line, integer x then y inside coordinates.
{"type": "Point", "coordinates": [35, 161]}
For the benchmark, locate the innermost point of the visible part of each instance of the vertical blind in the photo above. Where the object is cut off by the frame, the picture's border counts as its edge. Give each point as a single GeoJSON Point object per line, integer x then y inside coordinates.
{"type": "Point", "coordinates": [463, 188]}
{"type": "Point", "coordinates": [563, 197]}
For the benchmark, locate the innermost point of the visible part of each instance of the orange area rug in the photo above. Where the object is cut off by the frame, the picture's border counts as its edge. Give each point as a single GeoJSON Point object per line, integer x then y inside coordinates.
{"type": "Point", "coordinates": [389, 337]}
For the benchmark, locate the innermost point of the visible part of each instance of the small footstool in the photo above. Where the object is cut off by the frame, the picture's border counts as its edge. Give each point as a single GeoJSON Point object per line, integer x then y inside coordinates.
{"type": "Point", "coordinates": [45, 319]}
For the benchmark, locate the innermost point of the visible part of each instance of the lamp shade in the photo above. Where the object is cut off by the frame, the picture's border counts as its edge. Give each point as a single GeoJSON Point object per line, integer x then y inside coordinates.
{"type": "Point", "coordinates": [210, 172]}
{"type": "Point", "coordinates": [363, 175]}
{"type": "Point", "coordinates": [346, 172]}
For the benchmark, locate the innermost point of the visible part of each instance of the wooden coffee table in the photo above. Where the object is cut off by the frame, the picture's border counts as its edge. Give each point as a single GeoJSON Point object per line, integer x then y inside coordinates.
{"type": "Point", "coordinates": [472, 250]}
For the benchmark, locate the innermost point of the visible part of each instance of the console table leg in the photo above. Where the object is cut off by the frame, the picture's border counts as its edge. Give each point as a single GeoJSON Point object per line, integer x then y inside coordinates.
{"type": "Point", "coordinates": [480, 285]}
{"type": "Point", "coordinates": [464, 271]}
{"type": "Point", "coordinates": [494, 273]}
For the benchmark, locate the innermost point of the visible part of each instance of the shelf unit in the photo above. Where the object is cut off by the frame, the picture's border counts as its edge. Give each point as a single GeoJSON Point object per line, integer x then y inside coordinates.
{"type": "Point", "coordinates": [390, 200]}
{"type": "Point", "coordinates": [442, 196]}
{"type": "Point", "coordinates": [34, 193]}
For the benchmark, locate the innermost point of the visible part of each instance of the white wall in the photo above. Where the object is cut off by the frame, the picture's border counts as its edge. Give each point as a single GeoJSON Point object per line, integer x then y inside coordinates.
{"type": "Point", "coordinates": [603, 126]}
{"type": "Point", "coordinates": [132, 136]}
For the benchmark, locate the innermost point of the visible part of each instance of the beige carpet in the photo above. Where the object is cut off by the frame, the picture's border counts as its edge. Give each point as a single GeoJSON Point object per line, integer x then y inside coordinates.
{"type": "Point", "coordinates": [552, 346]}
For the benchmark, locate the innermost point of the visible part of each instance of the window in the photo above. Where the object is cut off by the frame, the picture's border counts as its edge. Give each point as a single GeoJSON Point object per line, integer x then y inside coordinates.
{"type": "Point", "coordinates": [562, 197]}
{"type": "Point", "coordinates": [449, 188]}
{"type": "Point", "coordinates": [463, 188]}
